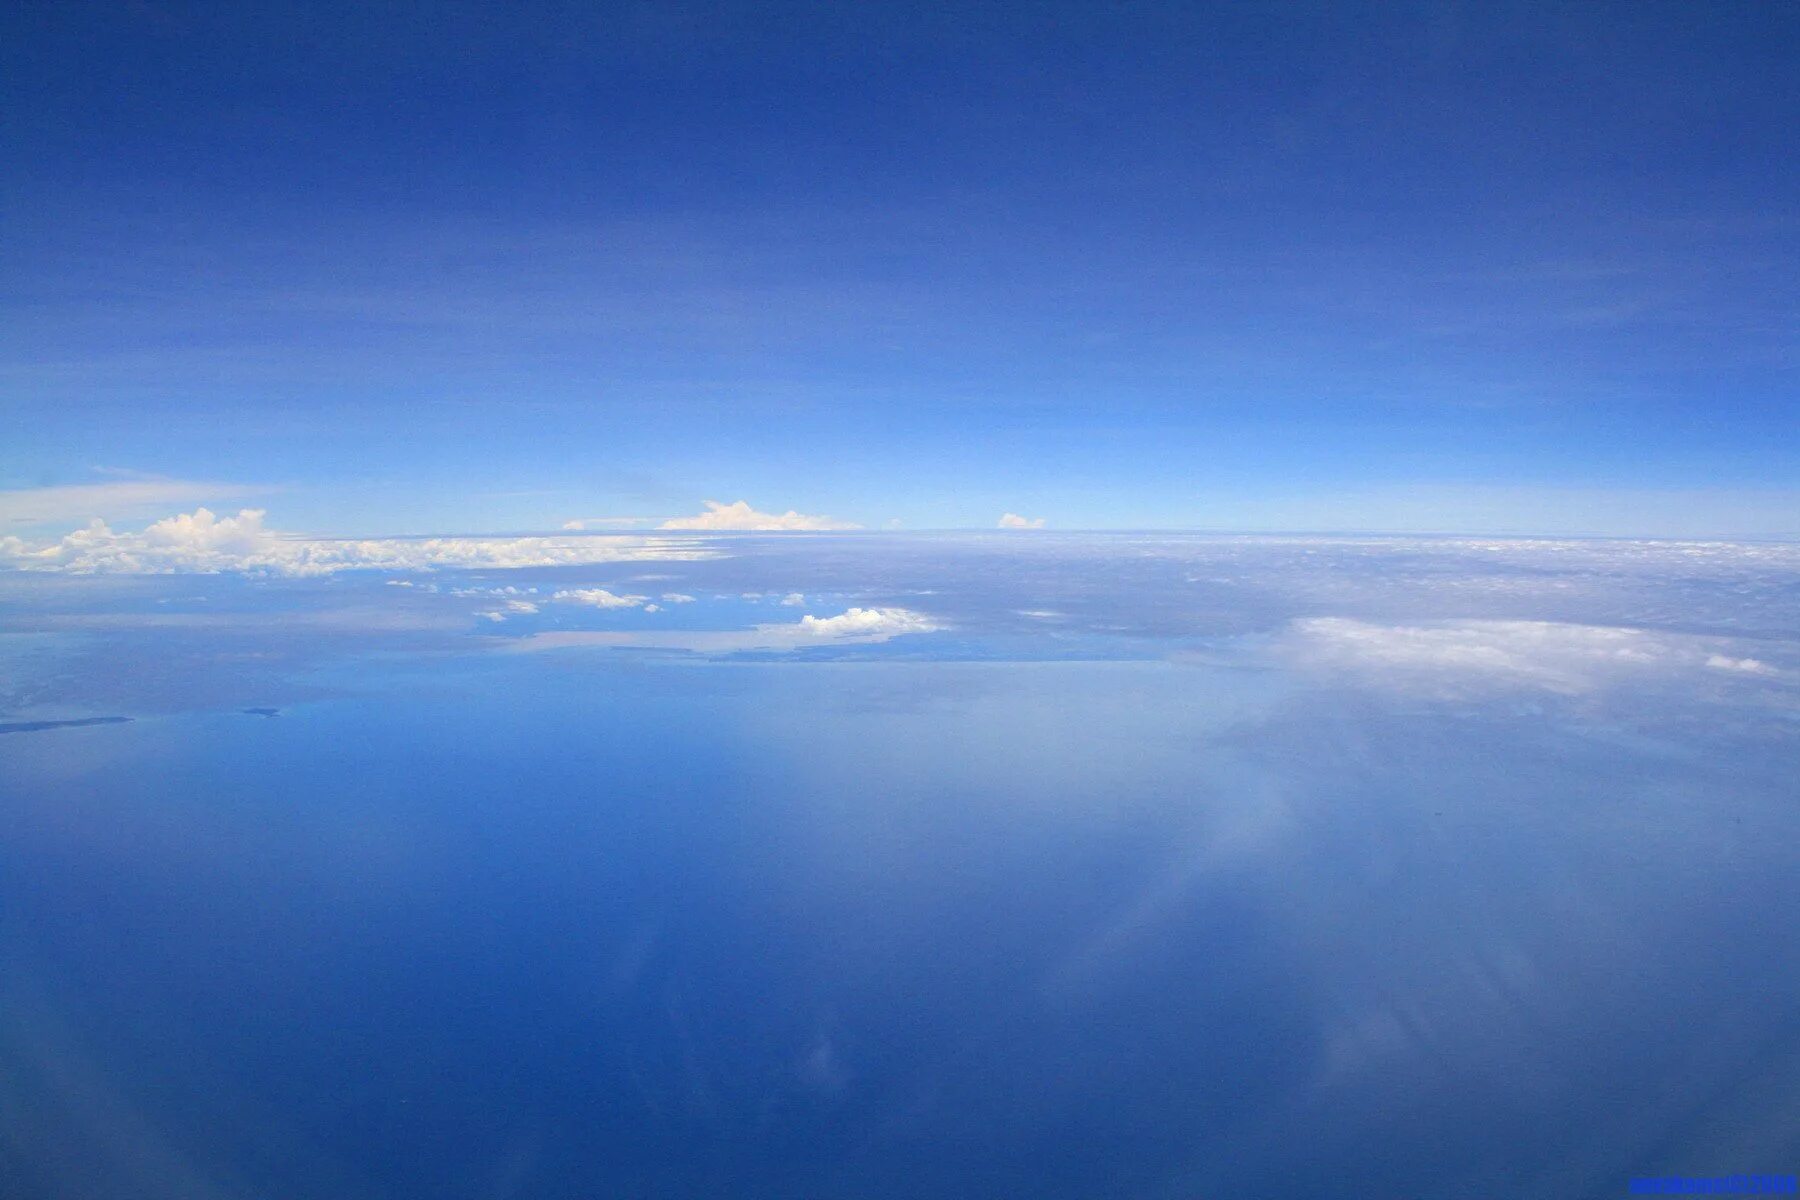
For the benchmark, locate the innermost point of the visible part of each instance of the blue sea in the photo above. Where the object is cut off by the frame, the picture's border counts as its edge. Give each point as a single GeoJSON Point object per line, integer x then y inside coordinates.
{"type": "Point", "coordinates": [1089, 868]}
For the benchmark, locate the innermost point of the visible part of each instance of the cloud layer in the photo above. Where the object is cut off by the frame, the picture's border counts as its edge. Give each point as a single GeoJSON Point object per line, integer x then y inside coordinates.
{"type": "Point", "coordinates": [1015, 521]}
{"type": "Point", "coordinates": [1550, 656]}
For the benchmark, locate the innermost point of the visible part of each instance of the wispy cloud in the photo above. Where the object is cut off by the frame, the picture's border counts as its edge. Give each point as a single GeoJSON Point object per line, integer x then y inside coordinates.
{"type": "Point", "coordinates": [132, 495]}
{"type": "Point", "coordinates": [740, 517]}
{"type": "Point", "coordinates": [581, 523]}
{"type": "Point", "coordinates": [855, 626]}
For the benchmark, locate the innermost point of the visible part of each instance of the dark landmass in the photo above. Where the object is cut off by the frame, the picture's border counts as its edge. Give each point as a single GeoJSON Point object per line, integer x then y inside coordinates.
{"type": "Point", "coordinates": [40, 726]}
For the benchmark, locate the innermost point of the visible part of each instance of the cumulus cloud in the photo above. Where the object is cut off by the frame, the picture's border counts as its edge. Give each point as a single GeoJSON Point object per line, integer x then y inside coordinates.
{"type": "Point", "coordinates": [855, 626]}
{"type": "Point", "coordinates": [1548, 655]}
{"type": "Point", "coordinates": [203, 542]}
{"type": "Point", "coordinates": [677, 598]}
{"type": "Point", "coordinates": [742, 518]}
{"type": "Point", "coordinates": [598, 598]}
{"type": "Point", "coordinates": [1015, 521]}
{"type": "Point", "coordinates": [793, 600]}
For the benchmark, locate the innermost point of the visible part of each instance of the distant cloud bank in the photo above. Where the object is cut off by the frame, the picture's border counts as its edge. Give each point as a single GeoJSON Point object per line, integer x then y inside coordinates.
{"type": "Point", "coordinates": [1015, 521]}
{"type": "Point", "coordinates": [202, 542]}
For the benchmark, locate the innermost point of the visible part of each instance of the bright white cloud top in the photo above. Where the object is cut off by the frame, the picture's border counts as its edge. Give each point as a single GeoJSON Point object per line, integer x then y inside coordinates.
{"type": "Point", "coordinates": [1015, 521]}
{"type": "Point", "coordinates": [740, 517]}
{"type": "Point", "coordinates": [865, 623]}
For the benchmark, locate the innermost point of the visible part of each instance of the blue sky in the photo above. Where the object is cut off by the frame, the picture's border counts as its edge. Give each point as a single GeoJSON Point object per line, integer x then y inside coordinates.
{"type": "Point", "coordinates": [1498, 268]}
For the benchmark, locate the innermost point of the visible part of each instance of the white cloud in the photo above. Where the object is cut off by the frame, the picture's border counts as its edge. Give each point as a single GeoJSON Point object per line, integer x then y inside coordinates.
{"type": "Point", "coordinates": [856, 626]}
{"type": "Point", "coordinates": [511, 608]}
{"type": "Point", "coordinates": [1548, 655]}
{"type": "Point", "coordinates": [119, 498]}
{"type": "Point", "coordinates": [859, 623]}
{"type": "Point", "coordinates": [202, 542]}
{"type": "Point", "coordinates": [1015, 521]}
{"type": "Point", "coordinates": [793, 600]}
{"type": "Point", "coordinates": [598, 598]}
{"type": "Point", "coordinates": [741, 517]}
{"type": "Point", "coordinates": [1750, 666]}
{"type": "Point", "coordinates": [677, 598]}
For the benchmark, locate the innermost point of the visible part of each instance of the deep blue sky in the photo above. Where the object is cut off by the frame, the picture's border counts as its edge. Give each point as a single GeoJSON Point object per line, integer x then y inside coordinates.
{"type": "Point", "coordinates": [1486, 267]}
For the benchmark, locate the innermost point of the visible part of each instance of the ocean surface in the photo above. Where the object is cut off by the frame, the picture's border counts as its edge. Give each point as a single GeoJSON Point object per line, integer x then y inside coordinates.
{"type": "Point", "coordinates": [1131, 867]}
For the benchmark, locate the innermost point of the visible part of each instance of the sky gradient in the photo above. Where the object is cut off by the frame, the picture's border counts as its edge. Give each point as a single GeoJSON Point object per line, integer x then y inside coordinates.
{"type": "Point", "coordinates": [1502, 268]}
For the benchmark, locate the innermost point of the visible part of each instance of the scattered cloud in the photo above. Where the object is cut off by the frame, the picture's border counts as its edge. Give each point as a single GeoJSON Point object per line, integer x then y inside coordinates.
{"type": "Point", "coordinates": [740, 517]}
{"type": "Point", "coordinates": [1015, 521]}
{"type": "Point", "coordinates": [203, 542]}
{"type": "Point", "coordinates": [512, 608]}
{"type": "Point", "coordinates": [482, 591]}
{"type": "Point", "coordinates": [793, 600]}
{"type": "Point", "coordinates": [677, 598]}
